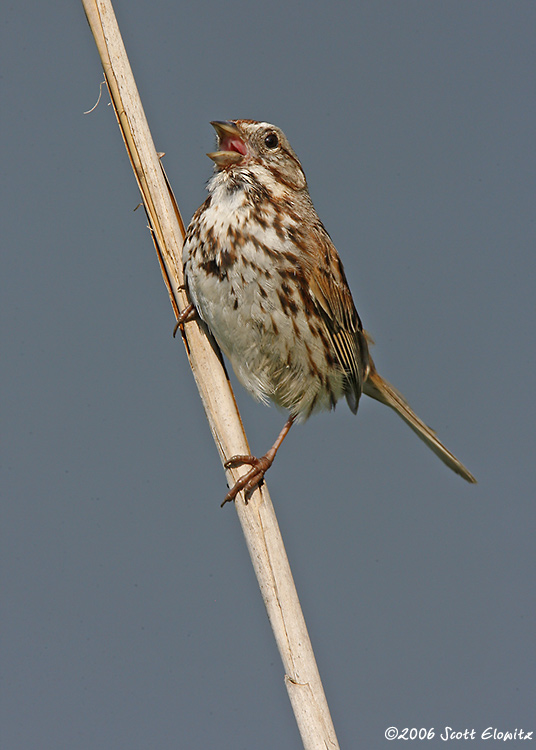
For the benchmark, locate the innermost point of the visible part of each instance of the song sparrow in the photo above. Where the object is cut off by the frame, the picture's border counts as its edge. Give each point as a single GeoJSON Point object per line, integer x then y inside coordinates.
{"type": "Point", "coordinates": [263, 274]}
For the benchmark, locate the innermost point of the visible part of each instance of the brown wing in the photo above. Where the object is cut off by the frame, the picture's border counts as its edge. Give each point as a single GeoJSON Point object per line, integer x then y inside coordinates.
{"type": "Point", "coordinates": [333, 299]}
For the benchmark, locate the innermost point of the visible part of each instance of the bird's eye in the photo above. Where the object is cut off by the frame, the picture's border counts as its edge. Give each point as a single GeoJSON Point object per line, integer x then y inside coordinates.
{"type": "Point", "coordinates": [271, 141]}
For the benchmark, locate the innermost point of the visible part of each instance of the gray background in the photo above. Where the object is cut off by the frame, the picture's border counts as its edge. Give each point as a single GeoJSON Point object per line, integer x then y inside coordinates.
{"type": "Point", "coordinates": [130, 613]}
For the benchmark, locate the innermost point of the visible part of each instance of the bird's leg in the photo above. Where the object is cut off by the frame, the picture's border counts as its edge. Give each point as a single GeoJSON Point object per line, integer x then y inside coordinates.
{"type": "Point", "coordinates": [189, 313]}
{"type": "Point", "coordinates": [259, 465]}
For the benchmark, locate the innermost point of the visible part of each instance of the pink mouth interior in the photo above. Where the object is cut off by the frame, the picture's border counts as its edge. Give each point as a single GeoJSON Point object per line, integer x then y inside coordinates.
{"type": "Point", "coordinates": [233, 144]}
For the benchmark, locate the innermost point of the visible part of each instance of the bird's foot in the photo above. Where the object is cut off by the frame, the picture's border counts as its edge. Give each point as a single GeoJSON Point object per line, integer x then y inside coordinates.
{"type": "Point", "coordinates": [189, 313]}
{"type": "Point", "coordinates": [254, 477]}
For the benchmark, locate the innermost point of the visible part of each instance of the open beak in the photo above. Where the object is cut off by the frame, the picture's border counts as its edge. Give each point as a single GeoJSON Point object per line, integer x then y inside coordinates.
{"type": "Point", "coordinates": [232, 148]}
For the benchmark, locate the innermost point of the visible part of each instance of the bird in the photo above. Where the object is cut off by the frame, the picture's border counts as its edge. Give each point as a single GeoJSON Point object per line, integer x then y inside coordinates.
{"type": "Point", "coordinates": [263, 274]}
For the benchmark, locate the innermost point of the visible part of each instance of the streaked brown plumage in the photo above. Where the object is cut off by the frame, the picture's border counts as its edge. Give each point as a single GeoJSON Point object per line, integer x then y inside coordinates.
{"type": "Point", "coordinates": [264, 275]}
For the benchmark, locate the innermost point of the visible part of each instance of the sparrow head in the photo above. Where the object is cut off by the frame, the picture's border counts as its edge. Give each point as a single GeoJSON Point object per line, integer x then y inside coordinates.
{"type": "Point", "coordinates": [248, 144]}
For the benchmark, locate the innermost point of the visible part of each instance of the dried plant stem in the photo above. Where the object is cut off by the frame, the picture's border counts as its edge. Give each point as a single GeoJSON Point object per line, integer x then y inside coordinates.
{"type": "Point", "coordinates": [257, 518]}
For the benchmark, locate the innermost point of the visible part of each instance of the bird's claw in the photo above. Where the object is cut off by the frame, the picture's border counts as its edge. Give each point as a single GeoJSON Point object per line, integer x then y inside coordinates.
{"type": "Point", "coordinates": [189, 313]}
{"type": "Point", "coordinates": [253, 478]}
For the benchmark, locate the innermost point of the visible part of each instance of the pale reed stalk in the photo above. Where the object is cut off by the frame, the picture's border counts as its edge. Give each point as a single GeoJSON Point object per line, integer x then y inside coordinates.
{"type": "Point", "coordinates": [257, 518]}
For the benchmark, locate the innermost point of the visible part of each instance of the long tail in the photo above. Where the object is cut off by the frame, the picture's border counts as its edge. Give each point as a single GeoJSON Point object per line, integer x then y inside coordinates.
{"type": "Point", "coordinates": [378, 388]}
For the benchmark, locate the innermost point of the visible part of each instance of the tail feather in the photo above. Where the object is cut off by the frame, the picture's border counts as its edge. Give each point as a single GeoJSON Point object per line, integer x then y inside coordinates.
{"type": "Point", "coordinates": [376, 387]}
